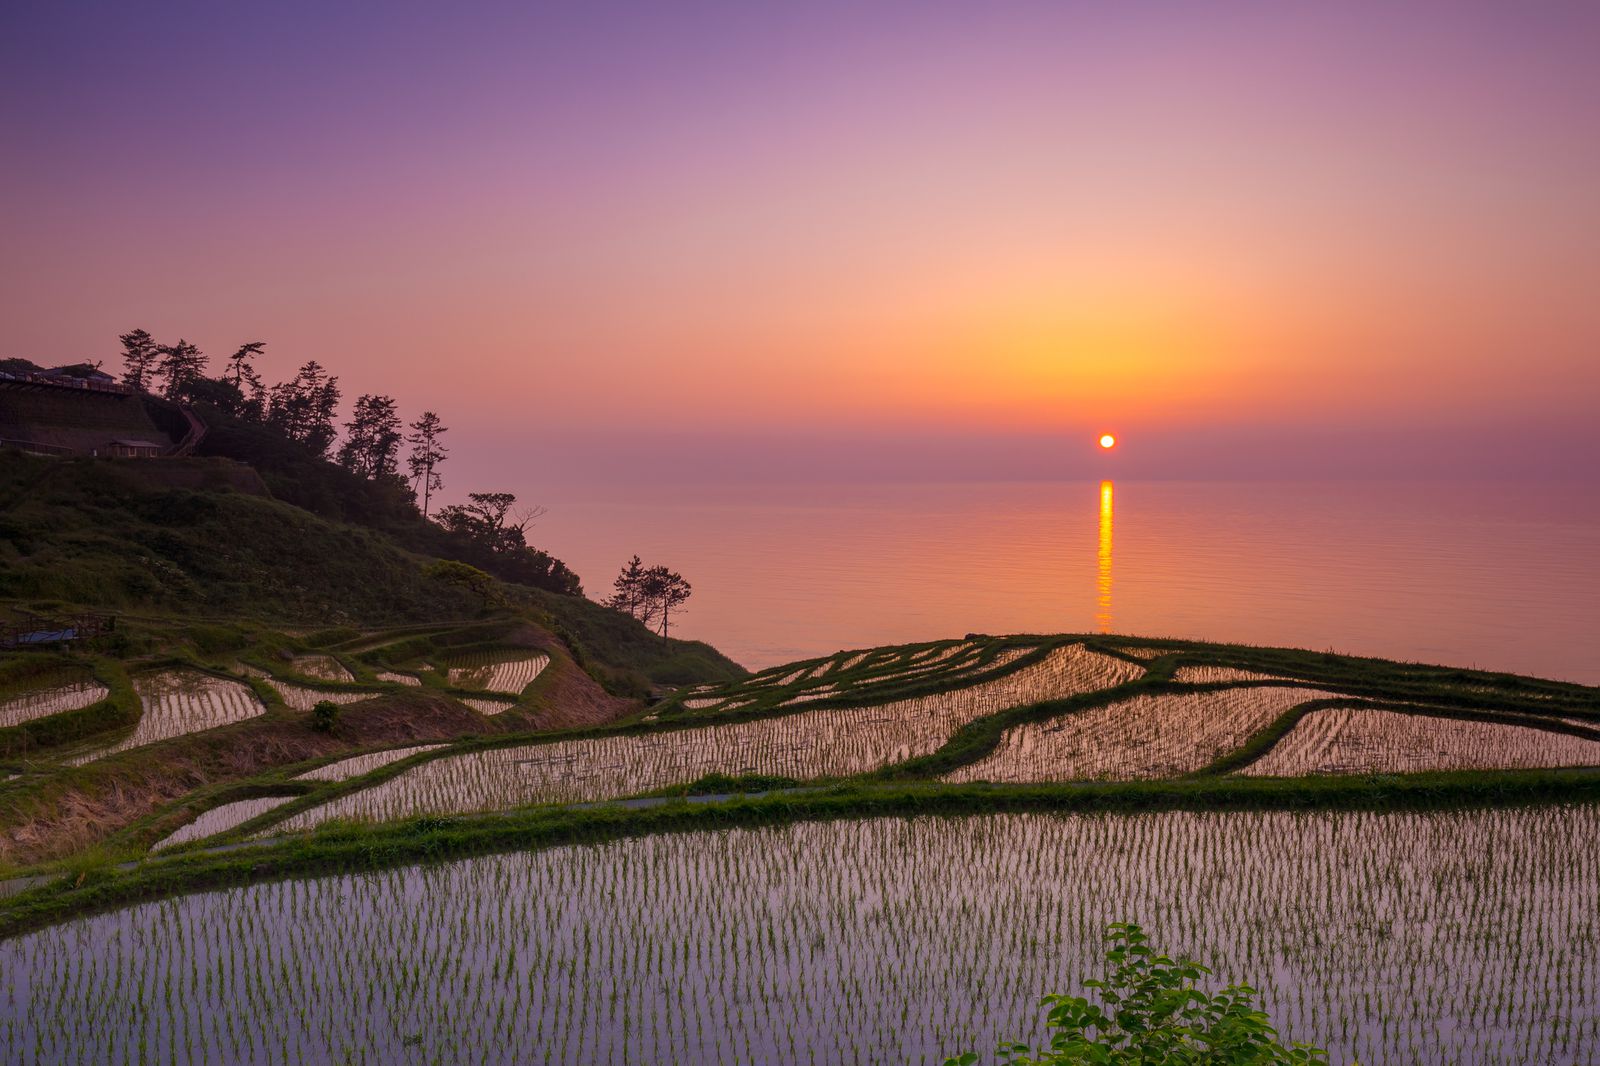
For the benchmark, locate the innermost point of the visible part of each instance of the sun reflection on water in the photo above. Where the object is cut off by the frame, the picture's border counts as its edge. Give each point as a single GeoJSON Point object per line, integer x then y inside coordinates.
{"type": "Point", "coordinates": [1102, 617]}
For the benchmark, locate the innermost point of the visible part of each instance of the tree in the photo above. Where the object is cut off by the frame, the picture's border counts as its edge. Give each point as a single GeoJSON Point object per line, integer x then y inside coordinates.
{"type": "Point", "coordinates": [239, 363]}
{"type": "Point", "coordinates": [629, 588]}
{"type": "Point", "coordinates": [489, 519]}
{"type": "Point", "coordinates": [139, 352]}
{"type": "Point", "coordinates": [663, 592]}
{"type": "Point", "coordinates": [303, 407]}
{"type": "Point", "coordinates": [467, 577]}
{"type": "Point", "coordinates": [1151, 1012]}
{"type": "Point", "coordinates": [426, 455]}
{"type": "Point", "coordinates": [372, 438]}
{"type": "Point", "coordinates": [180, 365]}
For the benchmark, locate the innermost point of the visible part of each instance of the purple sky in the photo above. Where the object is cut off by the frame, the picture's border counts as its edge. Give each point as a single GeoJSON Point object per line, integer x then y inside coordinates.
{"type": "Point", "coordinates": [613, 242]}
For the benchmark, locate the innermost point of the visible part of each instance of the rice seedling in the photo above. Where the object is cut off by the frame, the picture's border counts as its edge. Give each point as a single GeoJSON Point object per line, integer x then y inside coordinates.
{"type": "Point", "coordinates": [1147, 654]}
{"type": "Point", "coordinates": [303, 698]}
{"type": "Point", "coordinates": [1146, 736]}
{"type": "Point", "coordinates": [1213, 675]}
{"type": "Point", "coordinates": [832, 742]}
{"type": "Point", "coordinates": [177, 702]}
{"type": "Point", "coordinates": [221, 818]}
{"type": "Point", "coordinates": [497, 671]}
{"type": "Point", "coordinates": [321, 667]}
{"type": "Point", "coordinates": [356, 765]}
{"type": "Point", "coordinates": [1421, 939]}
{"type": "Point", "coordinates": [55, 700]}
{"type": "Point", "coordinates": [1364, 740]}
{"type": "Point", "coordinates": [485, 705]}
{"type": "Point", "coordinates": [858, 677]}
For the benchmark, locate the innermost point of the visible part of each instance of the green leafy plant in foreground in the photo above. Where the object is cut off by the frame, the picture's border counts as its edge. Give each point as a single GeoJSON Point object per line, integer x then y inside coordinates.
{"type": "Point", "coordinates": [1151, 1013]}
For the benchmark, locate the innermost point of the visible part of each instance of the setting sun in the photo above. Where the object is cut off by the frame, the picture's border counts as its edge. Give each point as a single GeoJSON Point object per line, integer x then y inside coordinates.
{"type": "Point", "coordinates": [1107, 440]}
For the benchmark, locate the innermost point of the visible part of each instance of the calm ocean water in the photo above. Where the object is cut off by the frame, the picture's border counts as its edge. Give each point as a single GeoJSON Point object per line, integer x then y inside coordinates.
{"type": "Point", "coordinates": [1495, 575]}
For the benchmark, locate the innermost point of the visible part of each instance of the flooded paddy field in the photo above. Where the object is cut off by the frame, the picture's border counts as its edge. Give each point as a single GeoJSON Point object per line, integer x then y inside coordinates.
{"type": "Point", "coordinates": [802, 744]}
{"type": "Point", "coordinates": [177, 702]}
{"type": "Point", "coordinates": [1417, 938]}
{"type": "Point", "coordinates": [496, 671]}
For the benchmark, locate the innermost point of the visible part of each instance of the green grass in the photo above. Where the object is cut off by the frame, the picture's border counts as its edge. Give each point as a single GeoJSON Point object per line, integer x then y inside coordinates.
{"type": "Point", "coordinates": [94, 534]}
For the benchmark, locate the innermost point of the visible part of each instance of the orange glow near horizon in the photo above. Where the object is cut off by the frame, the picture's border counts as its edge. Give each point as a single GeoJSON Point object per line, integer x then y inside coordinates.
{"type": "Point", "coordinates": [1107, 441]}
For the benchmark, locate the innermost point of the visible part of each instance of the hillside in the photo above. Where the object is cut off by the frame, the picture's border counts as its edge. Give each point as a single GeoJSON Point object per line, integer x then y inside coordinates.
{"type": "Point", "coordinates": [203, 539]}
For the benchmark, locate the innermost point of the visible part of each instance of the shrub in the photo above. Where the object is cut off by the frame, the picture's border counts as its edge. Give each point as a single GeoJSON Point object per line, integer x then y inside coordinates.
{"type": "Point", "coordinates": [1151, 1011]}
{"type": "Point", "coordinates": [324, 715]}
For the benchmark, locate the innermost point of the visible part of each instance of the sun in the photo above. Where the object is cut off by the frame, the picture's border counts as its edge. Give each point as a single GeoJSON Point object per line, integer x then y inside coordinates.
{"type": "Point", "coordinates": [1107, 440]}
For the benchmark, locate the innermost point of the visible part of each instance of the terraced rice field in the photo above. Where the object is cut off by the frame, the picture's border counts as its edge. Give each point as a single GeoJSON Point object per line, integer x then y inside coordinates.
{"type": "Point", "coordinates": [488, 706]}
{"type": "Point", "coordinates": [497, 672]}
{"type": "Point", "coordinates": [1350, 740]}
{"type": "Point", "coordinates": [55, 700]}
{"type": "Point", "coordinates": [804, 744]}
{"type": "Point", "coordinates": [398, 678]}
{"type": "Point", "coordinates": [1206, 675]}
{"type": "Point", "coordinates": [1146, 736]}
{"type": "Point", "coordinates": [303, 697]}
{"type": "Point", "coordinates": [1396, 939]}
{"type": "Point", "coordinates": [859, 677]}
{"type": "Point", "coordinates": [218, 819]}
{"type": "Point", "coordinates": [177, 702]}
{"type": "Point", "coordinates": [321, 667]}
{"type": "Point", "coordinates": [356, 765]}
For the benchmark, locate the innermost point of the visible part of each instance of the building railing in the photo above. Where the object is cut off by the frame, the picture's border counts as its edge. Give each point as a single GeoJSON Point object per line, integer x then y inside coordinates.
{"type": "Point", "coordinates": [36, 447]}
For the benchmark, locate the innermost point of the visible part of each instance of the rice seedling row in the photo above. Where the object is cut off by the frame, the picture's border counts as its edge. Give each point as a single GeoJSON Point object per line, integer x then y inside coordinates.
{"type": "Point", "coordinates": [221, 818]}
{"type": "Point", "coordinates": [1163, 735]}
{"type": "Point", "coordinates": [321, 667]}
{"type": "Point", "coordinates": [176, 702]}
{"type": "Point", "coordinates": [806, 744]}
{"type": "Point", "coordinates": [55, 700]}
{"type": "Point", "coordinates": [1390, 938]}
{"type": "Point", "coordinates": [497, 671]}
{"type": "Point", "coordinates": [303, 698]}
{"type": "Point", "coordinates": [1365, 740]}
{"type": "Point", "coordinates": [356, 765]}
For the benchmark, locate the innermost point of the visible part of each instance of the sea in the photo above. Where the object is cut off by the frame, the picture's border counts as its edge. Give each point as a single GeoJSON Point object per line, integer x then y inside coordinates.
{"type": "Point", "coordinates": [1492, 575]}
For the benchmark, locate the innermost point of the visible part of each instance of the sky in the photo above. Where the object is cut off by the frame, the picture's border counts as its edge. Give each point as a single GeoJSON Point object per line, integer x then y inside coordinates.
{"type": "Point", "coordinates": [619, 242]}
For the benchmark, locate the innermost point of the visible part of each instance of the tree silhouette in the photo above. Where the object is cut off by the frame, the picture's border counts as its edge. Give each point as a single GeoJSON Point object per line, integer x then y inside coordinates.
{"type": "Point", "coordinates": [664, 591]}
{"type": "Point", "coordinates": [180, 365]}
{"type": "Point", "coordinates": [139, 353]}
{"type": "Point", "coordinates": [426, 454]}
{"type": "Point", "coordinates": [303, 407]}
{"type": "Point", "coordinates": [489, 519]}
{"type": "Point", "coordinates": [628, 594]}
{"type": "Point", "coordinates": [372, 438]}
{"type": "Point", "coordinates": [239, 363]}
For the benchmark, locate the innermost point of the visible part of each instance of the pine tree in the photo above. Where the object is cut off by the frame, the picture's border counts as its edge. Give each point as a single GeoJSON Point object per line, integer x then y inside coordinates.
{"type": "Point", "coordinates": [372, 438]}
{"type": "Point", "coordinates": [180, 365]}
{"type": "Point", "coordinates": [628, 594]}
{"type": "Point", "coordinates": [139, 352]}
{"type": "Point", "coordinates": [426, 454]}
